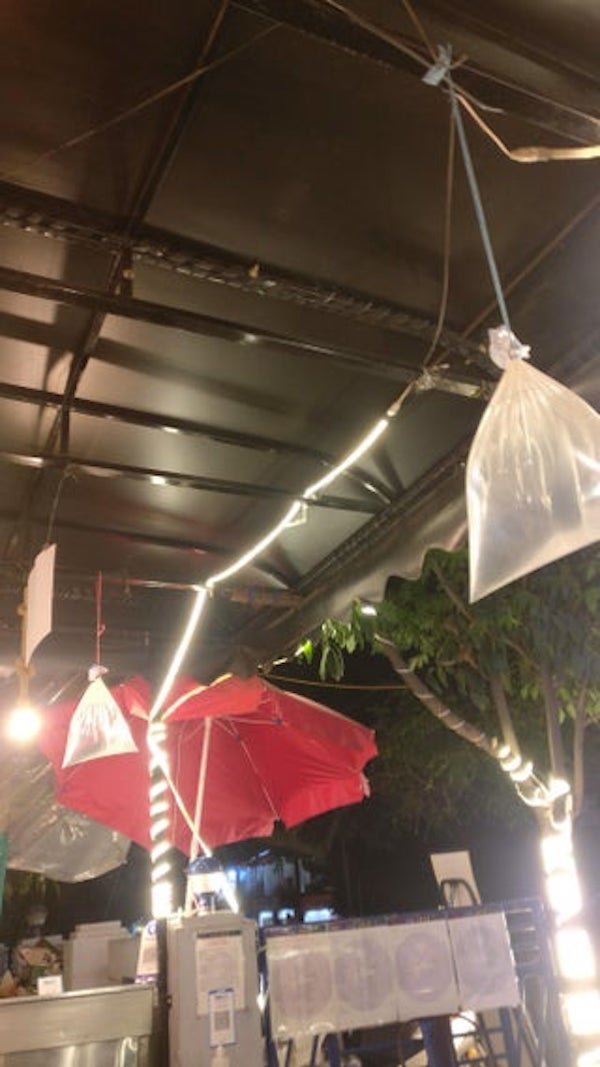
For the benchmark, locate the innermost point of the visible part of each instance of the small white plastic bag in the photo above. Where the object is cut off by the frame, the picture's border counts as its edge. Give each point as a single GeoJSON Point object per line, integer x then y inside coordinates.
{"type": "Point", "coordinates": [533, 474]}
{"type": "Point", "coordinates": [97, 728]}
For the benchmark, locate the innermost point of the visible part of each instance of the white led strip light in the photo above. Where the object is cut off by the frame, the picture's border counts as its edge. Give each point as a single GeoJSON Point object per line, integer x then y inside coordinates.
{"type": "Point", "coordinates": [160, 822]}
{"type": "Point", "coordinates": [162, 903]}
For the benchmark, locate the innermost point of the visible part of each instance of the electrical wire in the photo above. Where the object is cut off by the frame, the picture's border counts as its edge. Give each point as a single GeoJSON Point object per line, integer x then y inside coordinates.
{"type": "Point", "coordinates": [416, 21]}
{"type": "Point", "coordinates": [135, 109]}
{"type": "Point", "coordinates": [68, 472]}
{"type": "Point", "coordinates": [530, 154]}
{"type": "Point", "coordinates": [333, 685]}
{"type": "Point", "coordinates": [533, 153]}
{"type": "Point", "coordinates": [447, 244]}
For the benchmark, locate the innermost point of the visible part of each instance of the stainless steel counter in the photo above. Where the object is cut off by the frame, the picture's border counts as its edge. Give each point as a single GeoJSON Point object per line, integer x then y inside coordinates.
{"type": "Point", "coordinates": [90, 1028]}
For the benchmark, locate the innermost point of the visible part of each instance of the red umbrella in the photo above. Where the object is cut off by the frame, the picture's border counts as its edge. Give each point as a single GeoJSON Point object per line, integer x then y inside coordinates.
{"type": "Point", "coordinates": [242, 755]}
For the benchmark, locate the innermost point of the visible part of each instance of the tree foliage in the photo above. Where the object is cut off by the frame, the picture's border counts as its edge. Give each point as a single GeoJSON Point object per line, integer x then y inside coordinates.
{"type": "Point", "coordinates": [523, 665]}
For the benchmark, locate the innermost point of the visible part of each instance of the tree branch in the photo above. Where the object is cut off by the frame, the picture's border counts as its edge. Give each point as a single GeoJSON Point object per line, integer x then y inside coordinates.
{"type": "Point", "coordinates": [432, 702]}
{"type": "Point", "coordinates": [556, 747]}
{"type": "Point", "coordinates": [501, 704]}
{"type": "Point", "coordinates": [578, 753]}
{"type": "Point", "coordinates": [451, 593]}
{"type": "Point", "coordinates": [463, 609]}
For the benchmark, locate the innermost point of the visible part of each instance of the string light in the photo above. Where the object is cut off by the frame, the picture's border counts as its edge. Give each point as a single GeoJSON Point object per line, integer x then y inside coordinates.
{"type": "Point", "coordinates": [591, 1058]}
{"type": "Point", "coordinates": [156, 738]}
{"type": "Point", "coordinates": [182, 648]}
{"type": "Point", "coordinates": [575, 954]}
{"type": "Point", "coordinates": [369, 610]}
{"type": "Point", "coordinates": [583, 1012]}
{"type": "Point", "coordinates": [522, 773]}
{"type": "Point", "coordinates": [349, 460]}
{"type": "Point", "coordinates": [258, 548]}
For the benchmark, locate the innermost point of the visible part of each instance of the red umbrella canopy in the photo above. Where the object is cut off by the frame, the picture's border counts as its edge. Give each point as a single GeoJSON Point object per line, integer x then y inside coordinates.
{"type": "Point", "coordinates": [242, 755]}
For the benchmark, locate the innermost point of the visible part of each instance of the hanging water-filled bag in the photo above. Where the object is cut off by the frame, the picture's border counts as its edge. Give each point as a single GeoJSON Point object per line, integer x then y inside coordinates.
{"type": "Point", "coordinates": [533, 473]}
{"type": "Point", "coordinates": [98, 727]}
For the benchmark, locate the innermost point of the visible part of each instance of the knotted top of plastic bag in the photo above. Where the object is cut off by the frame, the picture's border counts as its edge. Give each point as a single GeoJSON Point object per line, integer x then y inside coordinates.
{"type": "Point", "coordinates": [504, 346]}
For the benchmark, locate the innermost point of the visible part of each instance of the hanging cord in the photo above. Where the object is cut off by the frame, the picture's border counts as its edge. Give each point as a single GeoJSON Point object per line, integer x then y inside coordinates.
{"type": "Point", "coordinates": [23, 669]}
{"type": "Point", "coordinates": [67, 473]}
{"type": "Point", "coordinates": [447, 244]}
{"type": "Point", "coordinates": [530, 154]}
{"type": "Point", "coordinates": [100, 627]}
{"type": "Point", "coordinates": [478, 205]}
{"type": "Point", "coordinates": [416, 21]}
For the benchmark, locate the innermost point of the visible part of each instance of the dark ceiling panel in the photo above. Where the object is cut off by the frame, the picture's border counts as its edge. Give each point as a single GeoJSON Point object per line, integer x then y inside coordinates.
{"type": "Point", "coordinates": [255, 261]}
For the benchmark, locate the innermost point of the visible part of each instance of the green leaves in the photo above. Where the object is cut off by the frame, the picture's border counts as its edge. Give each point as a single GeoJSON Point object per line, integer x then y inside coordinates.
{"type": "Point", "coordinates": [546, 624]}
{"type": "Point", "coordinates": [332, 662]}
{"type": "Point", "coordinates": [338, 638]}
{"type": "Point", "coordinates": [305, 651]}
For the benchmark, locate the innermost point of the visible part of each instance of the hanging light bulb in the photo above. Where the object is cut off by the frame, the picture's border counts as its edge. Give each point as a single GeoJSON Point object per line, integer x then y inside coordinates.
{"type": "Point", "coordinates": [23, 725]}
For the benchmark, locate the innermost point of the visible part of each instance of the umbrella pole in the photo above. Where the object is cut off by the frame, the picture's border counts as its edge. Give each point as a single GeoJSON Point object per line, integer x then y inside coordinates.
{"type": "Point", "coordinates": [163, 1005]}
{"type": "Point", "coordinates": [160, 880]}
{"type": "Point", "coordinates": [196, 836]}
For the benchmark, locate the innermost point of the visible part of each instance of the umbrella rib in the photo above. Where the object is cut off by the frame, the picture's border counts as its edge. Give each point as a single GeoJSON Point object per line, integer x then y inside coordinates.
{"type": "Point", "coordinates": [255, 722]}
{"type": "Point", "coordinates": [259, 780]}
{"type": "Point", "coordinates": [227, 726]}
{"type": "Point", "coordinates": [224, 723]}
{"type": "Point", "coordinates": [201, 784]}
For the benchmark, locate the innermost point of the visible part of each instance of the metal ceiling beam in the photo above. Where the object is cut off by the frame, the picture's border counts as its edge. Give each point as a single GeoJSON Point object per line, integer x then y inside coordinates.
{"type": "Point", "coordinates": [119, 273]}
{"type": "Point", "coordinates": [63, 220]}
{"type": "Point", "coordinates": [78, 585]}
{"type": "Point", "coordinates": [173, 424]}
{"type": "Point", "coordinates": [544, 108]}
{"type": "Point", "coordinates": [41, 460]}
{"type": "Point", "coordinates": [196, 322]}
{"type": "Point", "coordinates": [151, 540]}
{"type": "Point", "coordinates": [152, 176]}
{"type": "Point", "coordinates": [472, 19]}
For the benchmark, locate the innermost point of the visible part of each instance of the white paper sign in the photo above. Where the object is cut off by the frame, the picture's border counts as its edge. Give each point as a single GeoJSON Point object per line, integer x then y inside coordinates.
{"type": "Point", "coordinates": [147, 964]}
{"type": "Point", "coordinates": [301, 987]}
{"type": "Point", "coordinates": [423, 970]}
{"type": "Point", "coordinates": [484, 962]}
{"type": "Point", "coordinates": [51, 985]}
{"type": "Point", "coordinates": [219, 965]}
{"type": "Point", "coordinates": [221, 1016]}
{"type": "Point", "coordinates": [363, 978]}
{"type": "Point", "coordinates": [40, 591]}
{"type": "Point", "coordinates": [456, 867]}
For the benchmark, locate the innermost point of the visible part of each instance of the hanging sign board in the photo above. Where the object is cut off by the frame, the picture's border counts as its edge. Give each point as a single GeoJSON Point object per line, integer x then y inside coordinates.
{"type": "Point", "coordinates": [40, 591]}
{"type": "Point", "coordinates": [454, 875]}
